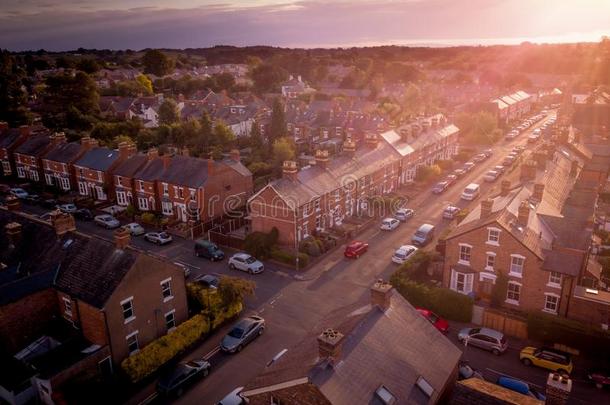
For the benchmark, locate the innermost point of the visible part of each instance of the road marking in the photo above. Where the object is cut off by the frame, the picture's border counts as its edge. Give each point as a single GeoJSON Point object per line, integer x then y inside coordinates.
{"type": "Point", "coordinates": [276, 357]}
{"type": "Point", "coordinates": [212, 353]}
{"type": "Point", "coordinates": [148, 399]}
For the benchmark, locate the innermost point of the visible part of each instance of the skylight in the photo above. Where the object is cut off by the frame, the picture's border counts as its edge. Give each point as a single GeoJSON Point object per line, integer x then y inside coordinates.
{"type": "Point", "coordinates": [424, 386]}
{"type": "Point", "coordinates": [385, 395]}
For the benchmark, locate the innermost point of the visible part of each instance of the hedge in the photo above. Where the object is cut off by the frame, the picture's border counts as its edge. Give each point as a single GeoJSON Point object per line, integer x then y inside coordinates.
{"type": "Point", "coordinates": [167, 347]}
{"type": "Point", "coordinates": [551, 329]}
{"type": "Point", "coordinates": [444, 302]}
{"type": "Point", "coordinates": [290, 258]}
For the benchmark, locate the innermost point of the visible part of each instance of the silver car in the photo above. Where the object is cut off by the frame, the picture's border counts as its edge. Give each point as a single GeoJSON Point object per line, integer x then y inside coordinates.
{"type": "Point", "coordinates": [134, 229]}
{"type": "Point", "coordinates": [160, 238]}
{"type": "Point", "coordinates": [107, 221]}
{"type": "Point", "coordinates": [242, 333]}
{"type": "Point", "coordinates": [484, 338]}
{"type": "Point", "coordinates": [245, 262]}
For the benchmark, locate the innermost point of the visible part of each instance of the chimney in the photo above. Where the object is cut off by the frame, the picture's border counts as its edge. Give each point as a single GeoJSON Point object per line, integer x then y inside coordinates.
{"type": "Point", "coordinates": [528, 170]}
{"type": "Point", "coordinates": [167, 159]}
{"type": "Point", "coordinates": [371, 140]}
{"type": "Point", "coordinates": [211, 165]}
{"type": "Point", "coordinates": [132, 149]}
{"type": "Point", "coordinates": [185, 152]}
{"type": "Point", "coordinates": [538, 191]}
{"type": "Point", "coordinates": [235, 155]}
{"type": "Point", "coordinates": [349, 147]}
{"type": "Point", "coordinates": [152, 153]}
{"type": "Point", "coordinates": [381, 292]}
{"type": "Point", "coordinates": [523, 214]}
{"type": "Point", "coordinates": [329, 345]}
{"type": "Point", "coordinates": [87, 143]}
{"type": "Point", "coordinates": [62, 222]}
{"type": "Point", "coordinates": [558, 389]}
{"type": "Point", "coordinates": [486, 206]}
{"type": "Point", "coordinates": [123, 150]}
{"type": "Point", "coordinates": [13, 232]}
{"type": "Point", "coordinates": [3, 126]}
{"type": "Point", "coordinates": [289, 170]}
{"type": "Point", "coordinates": [121, 238]}
{"type": "Point", "coordinates": [58, 138]}
{"type": "Point", "coordinates": [13, 203]}
{"type": "Point", "coordinates": [25, 131]}
{"type": "Point", "coordinates": [322, 158]}
{"type": "Point", "coordinates": [505, 187]}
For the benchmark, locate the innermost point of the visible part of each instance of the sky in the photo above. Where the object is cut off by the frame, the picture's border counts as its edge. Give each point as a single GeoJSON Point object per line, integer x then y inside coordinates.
{"type": "Point", "coordinates": [57, 25]}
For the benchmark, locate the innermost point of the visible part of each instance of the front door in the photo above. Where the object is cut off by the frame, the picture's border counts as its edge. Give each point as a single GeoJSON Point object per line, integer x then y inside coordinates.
{"type": "Point", "coordinates": [486, 288]}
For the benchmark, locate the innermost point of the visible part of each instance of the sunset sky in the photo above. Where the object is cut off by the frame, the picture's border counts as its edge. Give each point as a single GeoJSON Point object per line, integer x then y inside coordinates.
{"type": "Point", "coordinates": [137, 24]}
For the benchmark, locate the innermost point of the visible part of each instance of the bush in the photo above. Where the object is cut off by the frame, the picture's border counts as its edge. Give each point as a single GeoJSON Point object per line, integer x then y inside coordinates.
{"type": "Point", "coordinates": [148, 218]}
{"type": "Point", "coordinates": [428, 173]}
{"type": "Point", "coordinates": [260, 244]}
{"type": "Point", "coordinates": [551, 329]}
{"type": "Point", "coordinates": [498, 293]}
{"type": "Point", "coordinates": [289, 258]}
{"type": "Point", "coordinates": [444, 302]}
{"type": "Point", "coordinates": [417, 266]}
{"type": "Point", "coordinates": [311, 246]}
{"type": "Point", "coordinates": [445, 164]}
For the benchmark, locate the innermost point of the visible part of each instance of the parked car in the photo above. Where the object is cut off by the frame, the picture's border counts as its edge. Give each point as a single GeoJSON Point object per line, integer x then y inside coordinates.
{"type": "Point", "coordinates": [403, 253]}
{"type": "Point", "coordinates": [546, 357]}
{"type": "Point", "coordinates": [499, 169]}
{"type": "Point", "coordinates": [465, 371]}
{"type": "Point", "coordinates": [67, 208]}
{"type": "Point", "coordinates": [160, 238]}
{"type": "Point", "coordinates": [471, 192]}
{"type": "Point", "coordinates": [450, 178]}
{"type": "Point", "coordinates": [508, 160]}
{"type": "Point", "coordinates": [491, 176]}
{"type": "Point", "coordinates": [180, 377]}
{"type": "Point", "coordinates": [533, 138]}
{"type": "Point", "coordinates": [450, 212]}
{"type": "Point", "coordinates": [479, 157]}
{"type": "Point", "coordinates": [520, 386]}
{"type": "Point", "coordinates": [459, 172]}
{"type": "Point", "coordinates": [209, 250]}
{"type": "Point", "coordinates": [389, 224]}
{"type": "Point", "coordinates": [242, 333]}
{"type": "Point", "coordinates": [33, 199]}
{"type": "Point", "coordinates": [19, 192]}
{"type": "Point", "coordinates": [107, 221]}
{"type": "Point", "coordinates": [135, 229]}
{"type": "Point", "coordinates": [599, 376]}
{"type": "Point", "coordinates": [484, 338]}
{"type": "Point", "coordinates": [438, 322]}
{"type": "Point", "coordinates": [402, 214]}
{"type": "Point", "coordinates": [512, 134]}
{"type": "Point", "coordinates": [468, 166]}
{"type": "Point", "coordinates": [208, 280]}
{"type": "Point", "coordinates": [423, 235]}
{"type": "Point", "coordinates": [83, 214]}
{"type": "Point", "coordinates": [233, 398]}
{"type": "Point", "coordinates": [355, 249]}
{"type": "Point", "coordinates": [49, 203]}
{"type": "Point", "coordinates": [488, 152]}
{"type": "Point", "coordinates": [440, 187]}
{"type": "Point", "coordinates": [245, 262]}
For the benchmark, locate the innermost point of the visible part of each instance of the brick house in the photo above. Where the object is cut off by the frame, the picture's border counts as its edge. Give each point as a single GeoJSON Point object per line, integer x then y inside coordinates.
{"type": "Point", "coordinates": [11, 138]}
{"type": "Point", "coordinates": [94, 169]}
{"type": "Point", "coordinates": [28, 155]}
{"type": "Point", "coordinates": [58, 162]}
{"type": "Point", "coordinates": [407, 360]}
{"type": "Point", "coordinates": [537, 235]}
{"type": "Point", "coordinates": [130, 191]}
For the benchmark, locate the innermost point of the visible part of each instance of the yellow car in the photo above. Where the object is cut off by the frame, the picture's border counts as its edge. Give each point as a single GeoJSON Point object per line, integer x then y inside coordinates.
{"type": "Point", "coordinates": [545, 357]}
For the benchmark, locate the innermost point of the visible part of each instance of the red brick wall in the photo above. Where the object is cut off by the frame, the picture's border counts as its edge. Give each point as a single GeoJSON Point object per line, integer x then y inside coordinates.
{"type": "Point", "coordinates": [22, 321]}
{"type": "Point", "coordinates": [93, 324]}
{"type": "Point", "coordinates": [589, 312]}
{"type": "Point", "coordinates": [268, 210]}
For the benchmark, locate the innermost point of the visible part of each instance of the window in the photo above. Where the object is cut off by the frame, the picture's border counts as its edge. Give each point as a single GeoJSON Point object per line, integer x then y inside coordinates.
{"type": "Point", "coordinates": [165, 189]}
{"type": "Point", "coordinates": [132, 343]}
{"type": "Point", "coordinates": [516, 265]}
{"type": "Point", "coordinates": [318, 222]}
{"type": "Point", "coordinates": [551, 303]}
{"type": "Point", "coordinates": [166, 289]}
{"type": "Point", "coordinates": [143, 203]}
{"type": "Point", "coordinates": [81, 172]}
{"type": "Point", "coordinates": [101, 195]}
{"type": "Point", "coordinates": [465, 251]}
{"type": "Point", "coordinates": [6, 167]}
{"type": "Point", "coordinates": [65, 183]}
{"type": "Point", "coordinates": [121, 198]}
{"type": "Point", "coordinates": [554, 279]}
{"type": "Point", "coordinates": [493, 236]}
{"type": "Point", "coordinates": [67, 306]}
{"type": "Point", "coordinates": [513, 293]}
{"type": "Point", "coordinates": [180, 192]}
{"type": "Point", "coordinates": [34, 175]}
{"type": "Point", "coordinates": [316, 204]}
{"type": "Point", "coordinates": [82, 188]}
{"type": "Point", "coordinates": [48, 179]}
{"type": "Point", "coordinates": [21, 172]}
{"type": "Point", "coordinates": [140, 185]}
{"type": "Point", "coordinates": [170, 320]}
{"type": "Point", "coordinates": [167, 208]}
{"type": "Point", "coordinates": [127, 307]}
{"type": "Point", "coordinates": [118, 181]}
{"type": "Point", "coordinates": [461, 282]}
{"type": "Point", "coordinates": [490, 261]}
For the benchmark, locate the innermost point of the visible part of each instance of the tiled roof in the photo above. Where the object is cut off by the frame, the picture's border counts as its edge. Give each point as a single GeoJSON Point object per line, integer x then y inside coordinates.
{"type": "Point", "coordinates": [64, 152]}
{"type": "Point", "coordinates": [98, 159]}
{"type": "Point", "coordinates": [393, 348]}
{"type": "Point", "coordinates": [8, 137]}
{"type": "Point", "coordinates": [34, 145]}
{"type": "Point", "coordinates": [565, 261]}
{"type": "Point", "coordinates": [130, 167]}
{"type": "Point", "coordinates": [186, 171]}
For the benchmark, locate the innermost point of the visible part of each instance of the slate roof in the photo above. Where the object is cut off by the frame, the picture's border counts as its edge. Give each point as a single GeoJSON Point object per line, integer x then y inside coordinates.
{"type": "Point", "coordinates": [151, 170]}
{"type": "Point", "coordinates": [186, 171]}
{"type": "Point", "coordinates": [130, 167]}
{"type": "Point", "coordinates": [9, 137]}
{"type": "Point", "coordinates": [393, 348]}
{"type": "Point", "coordinates": [64, 152]}
{"type": "Point", "coordinates": [34, 145]}
{"type": "Point", "coordinates": [98, 158]}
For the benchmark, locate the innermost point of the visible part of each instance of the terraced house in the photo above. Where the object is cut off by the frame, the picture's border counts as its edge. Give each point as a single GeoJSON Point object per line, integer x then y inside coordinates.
{"type": "Point", "coordinates": [28, 155]}
{"type": "Point", "coordinates": [58, 163]}
{"type": "Point", "coordinates": [11, 138]}
{"type": "Point", "coordinates": [536, 235]}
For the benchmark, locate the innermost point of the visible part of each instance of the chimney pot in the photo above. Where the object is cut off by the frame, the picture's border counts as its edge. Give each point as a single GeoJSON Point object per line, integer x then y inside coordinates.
{"type": "Point", "coordinates": [289, 170]}
{"type": "Point", "coordinates": [505, 187]}
{"type": "Point", "coordinates": [381, 293]}
{"type": "Point", "coordinates": [152, 153]}
{"type": "Point", "coordinates": [13, 232]}
{"type": "Point", "coordinates": [329, 344]}
{"type": "Point", "coordinates": [486, 206]}
{"type": "Point", "coordinates": [235, 155]}
{"type": "Point", "coordinates": [121, 238]}
{"type": "Point", "coordinates": [523, 214]}
{"type": "Point", "coordinates": [124, 149]}
{"type": "Point", "coordinates": [62, 222]}
{"type": "Point", "coordinates": [538, 191]}
{"type": "Point", "coordinates": [558, 389]}
{"type": "Point", "coordinates": [528, 170]}
{"type": "Point", "coordinates": [322, 158]}
{"type": "Point", "coordinates": [24, 131]}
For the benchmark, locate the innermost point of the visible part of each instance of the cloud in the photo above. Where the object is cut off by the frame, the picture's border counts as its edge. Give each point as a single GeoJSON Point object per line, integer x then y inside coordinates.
{"type": "Point", "coordinates": [299, 23]}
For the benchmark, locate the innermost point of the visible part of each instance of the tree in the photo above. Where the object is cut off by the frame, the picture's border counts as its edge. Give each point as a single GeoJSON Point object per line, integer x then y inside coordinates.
{"type": "Point", "coordinates": [283, 149]}
{"type": "Point", "coordinates": [478, 128]}
{"type": "Point", "coordinates": [234, 289]}
{"type": "Point", "coordinates": [277, 129]}
{"type": "Point", "coordinates": [256, 140]}
{"type": "Point", "coordinates": [65, 91]}
{"type": "Point", "coordinates": [168, 112]}
{"type": "Point", "coordinates": [145, 84]}
{"type": "Point", "coordinates": [13, 97]}
{"type": "Point", "coordinates": [88, 65]}
{"type": "Point", "coordinates": [157, 63]}
{"type": "Point", "coordinates": [267, 78]}
{"type": "Point", "coordinates": [224, 81]}
{"type": "Point", "coordinates": [223, 135]}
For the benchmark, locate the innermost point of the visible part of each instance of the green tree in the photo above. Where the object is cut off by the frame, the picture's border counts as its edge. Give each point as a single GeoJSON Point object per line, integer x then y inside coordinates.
{"type": "Point", "coordinates": [256, 140]}
{"type": "Point", "coordinates": [283, 149]}
{"type": "Point", "coordinates": [145, 84]}
{"type": "Point", "coordinates": [157, 63]}
{"type": "Point", "coordinates": [168, 112]}
{"type": "Point", "coordinates": [224, 81]}
{"type": "Point", "coordinates": [234, 289]}
{"type": "Point", "coordinates": [223, 135]}
{"type": "Point", "coordinates": [267, 78]}
{"type": "Point", "coordinates": [13, 97]}
{"type": "Point", "coordinates": [478, 128]}
{"type": "Point", "coordinates": [88, 65]}
{"type": "Point", "coordinates": [64, 91]}
{"type": "Point", "coordinates": [277, 129]}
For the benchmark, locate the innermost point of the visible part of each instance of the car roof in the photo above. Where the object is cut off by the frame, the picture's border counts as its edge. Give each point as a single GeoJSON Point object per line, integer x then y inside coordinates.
{"type": "Point", "coordinates": [405, 247]}
{"type": "Point", "coordinates": [491, 332]}
{"type": "Point", "coordinates": [355, 243]}
{"type": "Point", "coordinates": [242, 255]}
{"type": "Point", "coordinates": [425, 227]}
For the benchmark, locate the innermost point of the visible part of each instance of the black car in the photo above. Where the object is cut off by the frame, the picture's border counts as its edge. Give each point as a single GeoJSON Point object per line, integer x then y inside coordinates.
{"type": "Point", "coordinates": [33, 199]}
{"type": "Point", "coordinates": [208, 280]}
{"type": "Point", "coordinates": [184, 374]}
{"type": "Point", "coordinates": [209, 250]}
{"type": "Point", "coordinates": [83, 214]}
{"type": "Point", "coordinates": [49, 203]}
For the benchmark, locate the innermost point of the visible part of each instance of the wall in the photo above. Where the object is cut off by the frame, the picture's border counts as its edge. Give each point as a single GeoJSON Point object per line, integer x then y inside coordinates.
{"type": "Point", "coordinates": [268, 210]}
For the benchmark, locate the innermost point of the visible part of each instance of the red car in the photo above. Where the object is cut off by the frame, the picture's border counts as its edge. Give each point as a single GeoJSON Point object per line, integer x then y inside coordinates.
{"type": "Point", "coordinates": [600, 377]}
{"type": "Point", "coordinates": [438, 322]}
{"type": "Point", "coordinates": [355, 249]}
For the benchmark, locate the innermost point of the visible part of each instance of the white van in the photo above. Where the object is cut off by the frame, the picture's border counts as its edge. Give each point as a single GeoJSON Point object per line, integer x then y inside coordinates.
{"type": "Point", "coordinates": [471, 192]}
